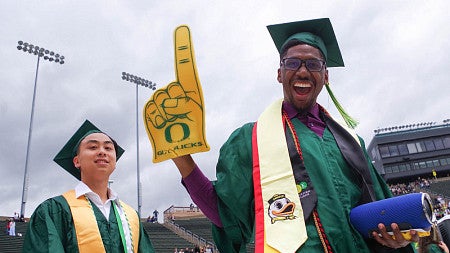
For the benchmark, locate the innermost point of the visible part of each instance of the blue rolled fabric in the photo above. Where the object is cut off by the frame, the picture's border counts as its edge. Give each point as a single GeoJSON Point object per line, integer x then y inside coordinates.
{"type": "Point", "coordinates": [409, 211]}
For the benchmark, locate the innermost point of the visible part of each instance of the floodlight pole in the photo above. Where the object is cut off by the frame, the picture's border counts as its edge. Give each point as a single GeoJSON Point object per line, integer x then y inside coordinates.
{"type": "Point", "coordinates": [40, 52]}
{"type": "Point", "coordinates": [143, 82]}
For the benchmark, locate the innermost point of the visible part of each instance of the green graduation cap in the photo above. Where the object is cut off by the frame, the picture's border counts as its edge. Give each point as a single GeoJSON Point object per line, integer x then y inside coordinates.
{"type": "Point", "coordinates": [65, 156]}
{"type": "Point", "coordinates": [316, 32]}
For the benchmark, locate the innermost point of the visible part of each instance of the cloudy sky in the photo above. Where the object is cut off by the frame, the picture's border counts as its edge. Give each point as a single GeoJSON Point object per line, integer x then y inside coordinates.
{"type": "Point", "coordinates": [395, 52]}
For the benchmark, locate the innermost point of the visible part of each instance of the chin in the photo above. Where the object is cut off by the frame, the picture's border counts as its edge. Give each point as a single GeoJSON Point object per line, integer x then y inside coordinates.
{"type": "Point", "coordinates": [302, 108]}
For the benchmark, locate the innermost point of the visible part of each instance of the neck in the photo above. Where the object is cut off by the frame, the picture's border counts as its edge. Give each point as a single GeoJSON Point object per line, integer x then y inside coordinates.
{"type": "Point", "coordinates": [304, 111]}
{"type": "Point", "coordinates": [101, 188]}
{"type": "Point", "coordinates": [292, 109]}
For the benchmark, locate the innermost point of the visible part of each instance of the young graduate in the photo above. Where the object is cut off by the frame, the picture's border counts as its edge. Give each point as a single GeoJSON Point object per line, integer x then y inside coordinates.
{"type": "Point", "coordinates": [91, 217]}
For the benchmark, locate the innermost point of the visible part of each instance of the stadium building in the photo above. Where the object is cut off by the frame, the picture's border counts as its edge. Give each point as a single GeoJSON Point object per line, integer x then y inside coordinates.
{"type": "Point", "coordinates": [404, 153]}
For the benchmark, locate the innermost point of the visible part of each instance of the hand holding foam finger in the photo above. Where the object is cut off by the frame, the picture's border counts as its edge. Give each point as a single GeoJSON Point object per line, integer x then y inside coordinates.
{"type": "Point", "coordinates": [174, 116]}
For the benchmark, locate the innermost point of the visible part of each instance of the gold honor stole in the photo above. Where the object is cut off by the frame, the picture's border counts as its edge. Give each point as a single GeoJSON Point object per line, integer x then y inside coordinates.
{"type": "Point", "coordinates": [88, 236]}
{"type": "Point", "coordinates": [274, 183]}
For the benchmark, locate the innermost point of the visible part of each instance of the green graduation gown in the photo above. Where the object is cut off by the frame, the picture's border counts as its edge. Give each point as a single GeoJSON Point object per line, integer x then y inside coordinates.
{"type": "Point", "coordinates": [336, 184]}
{"type": "Point", "coordinates": [51, 230]}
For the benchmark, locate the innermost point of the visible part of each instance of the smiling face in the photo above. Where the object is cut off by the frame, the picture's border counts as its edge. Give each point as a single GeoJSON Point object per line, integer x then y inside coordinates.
{"type": "Point", "coordinates": [302, 87]}
{"type": "Point", "coordinates": [96, 158]}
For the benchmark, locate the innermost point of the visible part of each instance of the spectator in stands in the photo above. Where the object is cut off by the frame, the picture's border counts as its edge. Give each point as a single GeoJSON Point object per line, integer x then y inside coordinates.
{"type": "Point", "coordinates": [424, 183]}
{"type": "Point", "coordinates": [12, 227]}
{"type": "Point", "coordinates": [7, 227]}
{"type": "Point", "coordinates": [300, 153]}
{"type": "Point", "coordinates": [401, 189]}
{"type": "Point", "coordinates": [90, 218]}
{"type": "Point", "coordinates": [16, 216]}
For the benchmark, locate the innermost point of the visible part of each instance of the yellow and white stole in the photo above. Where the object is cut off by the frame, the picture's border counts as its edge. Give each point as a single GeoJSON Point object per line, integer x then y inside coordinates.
{"type": "Point", "coordinates": [88, 235]}
{"type": "Point", "coordinates": [273, 177]}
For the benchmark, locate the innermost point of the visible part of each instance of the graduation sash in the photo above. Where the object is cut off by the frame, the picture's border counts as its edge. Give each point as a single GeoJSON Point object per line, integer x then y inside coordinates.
{"type": "Point", "coordinates": [88, 235]}
{"type": "Point", "coordinates": [282, 228]}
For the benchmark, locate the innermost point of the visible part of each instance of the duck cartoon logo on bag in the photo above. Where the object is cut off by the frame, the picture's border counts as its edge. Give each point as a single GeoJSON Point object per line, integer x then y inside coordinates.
{"type": "Point", "coordinates": [281, 208]}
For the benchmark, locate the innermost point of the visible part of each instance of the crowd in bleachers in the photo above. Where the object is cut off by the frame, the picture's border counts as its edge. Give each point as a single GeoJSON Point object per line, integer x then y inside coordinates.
{"type": "Point", "coordinates": [441, 205]}
{"type": "Point", "coordinates": [401, 188]}
{"type": "Point", "coordinates": [410, 187]}
{"type": "Point", "coordinates": [196, 249]}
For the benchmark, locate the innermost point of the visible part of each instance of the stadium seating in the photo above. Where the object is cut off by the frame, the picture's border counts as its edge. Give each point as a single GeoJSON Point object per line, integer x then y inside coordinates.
{"type": "Point", "coordinates": [441, 188]}
{"type": "Point", "coordinates": [202, 228]}
{"type": "Point", "coordinates": [12, 244]}
{"type": "Point", "coordinates": [198, 226]}
{"type": "Point", "coordinates": [163, 239]}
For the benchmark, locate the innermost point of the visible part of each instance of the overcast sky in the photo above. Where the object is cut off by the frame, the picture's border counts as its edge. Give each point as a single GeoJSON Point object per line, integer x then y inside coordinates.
{"type": "Point", "coordinates": [396, 72]}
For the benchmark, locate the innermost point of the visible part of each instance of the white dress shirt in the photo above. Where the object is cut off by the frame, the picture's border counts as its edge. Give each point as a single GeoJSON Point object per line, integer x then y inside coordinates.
{"type": "Point", "coordinates": [83, 189]}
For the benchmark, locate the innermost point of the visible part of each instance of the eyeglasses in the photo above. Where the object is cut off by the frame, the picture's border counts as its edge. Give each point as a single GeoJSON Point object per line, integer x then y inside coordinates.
{"type": "Point", "coordinates": [312, 65]}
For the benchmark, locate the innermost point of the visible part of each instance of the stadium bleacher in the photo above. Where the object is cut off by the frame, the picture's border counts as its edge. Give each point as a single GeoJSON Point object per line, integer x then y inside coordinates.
{"type": "Point", "coordinates": [12, 244]}
{"type": "Point", "coordinates": [441, 187]}
{"type": "Point", "coordinates": [198, 226]}
{"type": "Point", "coordinates": [163, 239]}
{"type": "Point", "coordinates": [202, 228]}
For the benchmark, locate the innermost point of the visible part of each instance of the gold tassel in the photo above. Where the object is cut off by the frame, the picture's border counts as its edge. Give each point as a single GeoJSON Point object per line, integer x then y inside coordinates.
{"type": "Point", "coordinates": [351, 122]}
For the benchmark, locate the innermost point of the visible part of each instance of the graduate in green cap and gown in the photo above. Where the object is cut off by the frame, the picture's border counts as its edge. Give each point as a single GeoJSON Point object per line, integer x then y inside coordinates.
{"type": "Point", "coordinates": [89, 218]}
{"type": "Point", "coordinates": [289, 181]}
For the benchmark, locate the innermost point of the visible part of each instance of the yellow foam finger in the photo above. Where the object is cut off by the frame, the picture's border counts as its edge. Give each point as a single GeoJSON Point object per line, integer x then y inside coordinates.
{"type": "Point", "coordinates": [181, 106]}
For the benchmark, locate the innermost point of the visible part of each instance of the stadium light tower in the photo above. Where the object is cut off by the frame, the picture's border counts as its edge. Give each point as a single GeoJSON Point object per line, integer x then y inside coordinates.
{"type": "Point", "coordinates": [148, 84]}
{"type": "Point", "coordinates": [52, 57]}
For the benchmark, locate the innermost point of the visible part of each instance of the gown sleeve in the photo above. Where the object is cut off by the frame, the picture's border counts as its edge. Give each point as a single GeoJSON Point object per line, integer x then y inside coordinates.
{"type": "Point", "coordinates": [236, 204]}
{"type": "Point", "coordinates": [50, 228]}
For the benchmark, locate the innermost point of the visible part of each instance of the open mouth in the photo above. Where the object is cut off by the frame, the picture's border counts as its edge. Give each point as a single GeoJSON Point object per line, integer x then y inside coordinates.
{"type": "Point", "coordinates": [302, 88]}
{"type": "Point", "coordinates": [101, 161]}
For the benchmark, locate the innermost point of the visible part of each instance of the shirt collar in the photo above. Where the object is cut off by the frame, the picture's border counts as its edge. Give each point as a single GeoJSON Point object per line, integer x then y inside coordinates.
{"type": "Point", "coordinates": [83, 189]}
{"type": "Point", "coordinates": [292, 112]}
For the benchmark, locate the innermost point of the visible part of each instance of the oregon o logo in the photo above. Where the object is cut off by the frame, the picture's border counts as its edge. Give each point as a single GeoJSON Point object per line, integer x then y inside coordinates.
{"type": "Point", "coordinates": [177, 132]}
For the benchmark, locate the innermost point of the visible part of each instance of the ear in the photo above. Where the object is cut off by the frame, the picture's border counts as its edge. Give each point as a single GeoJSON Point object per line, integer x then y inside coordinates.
{"type": "Point", "coordinates": [326, 76]}
{"type": "Point", "coordinates": [279, 76]}
{"type": "Point", "coordinates": [76, 162]}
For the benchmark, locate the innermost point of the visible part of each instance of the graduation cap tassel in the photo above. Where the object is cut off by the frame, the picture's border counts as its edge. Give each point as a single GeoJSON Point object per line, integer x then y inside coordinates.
{"type": "Point", "coordinates": [351, 122]}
